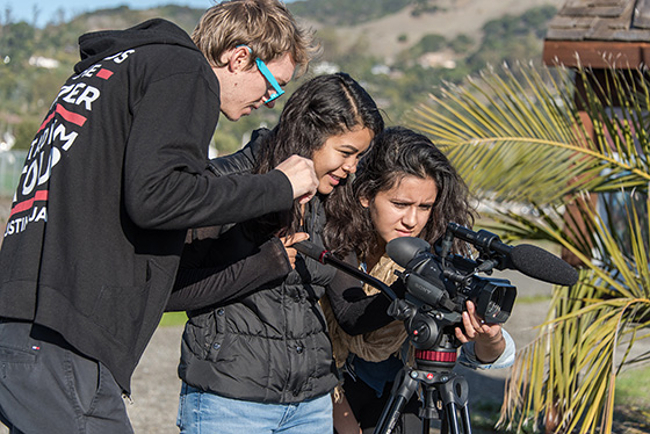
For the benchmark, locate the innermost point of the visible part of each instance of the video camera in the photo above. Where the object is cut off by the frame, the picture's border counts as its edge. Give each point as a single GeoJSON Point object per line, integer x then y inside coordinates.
{"type": "Point", "coordinates": [439, 283]}
{"type": "Point", "coordinates": [438, 287]}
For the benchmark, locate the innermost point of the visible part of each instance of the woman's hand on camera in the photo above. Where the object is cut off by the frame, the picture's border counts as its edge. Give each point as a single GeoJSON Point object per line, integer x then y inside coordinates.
{"type": "Point", "coordinates": [488, 340]}
{"type": "Point", "coordinates": [289, 241]}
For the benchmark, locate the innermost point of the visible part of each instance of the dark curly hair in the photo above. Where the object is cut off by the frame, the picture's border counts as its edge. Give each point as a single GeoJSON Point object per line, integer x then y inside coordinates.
{"type": "Point", "coordinates": [325, 106]}
{"type": "Point", "coordinates": [396, 152]}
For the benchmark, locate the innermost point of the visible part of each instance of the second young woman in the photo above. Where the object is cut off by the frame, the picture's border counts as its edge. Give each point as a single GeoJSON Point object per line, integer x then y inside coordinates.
{"type": "Point", "coordinates": [405, 187]}
{"type": "Point", "coordinates": [260, 360]}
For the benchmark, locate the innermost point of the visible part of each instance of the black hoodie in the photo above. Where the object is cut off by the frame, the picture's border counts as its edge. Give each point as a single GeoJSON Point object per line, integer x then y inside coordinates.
{"type": "Point", "coordinates": [115, 175]}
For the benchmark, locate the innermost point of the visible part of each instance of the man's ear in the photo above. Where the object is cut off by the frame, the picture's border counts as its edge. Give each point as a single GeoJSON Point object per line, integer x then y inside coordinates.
{"type": "Point", "coordinates": [238, 58]}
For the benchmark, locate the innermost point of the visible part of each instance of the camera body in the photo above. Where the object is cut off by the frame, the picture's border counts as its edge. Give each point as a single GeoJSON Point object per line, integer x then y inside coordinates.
{"type": "Point", "coordinates": [430, 281]}
{"type": "Point", "coordinates": [437, 287]}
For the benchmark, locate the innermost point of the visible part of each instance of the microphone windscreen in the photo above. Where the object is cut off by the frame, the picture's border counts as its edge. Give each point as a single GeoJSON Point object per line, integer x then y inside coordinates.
{"type": "Point", "coordinates": [539, 264]}
{"type": "Point", "coordinates": [310, 250]}
{"type": "Point", "coordinates": [403, 249]}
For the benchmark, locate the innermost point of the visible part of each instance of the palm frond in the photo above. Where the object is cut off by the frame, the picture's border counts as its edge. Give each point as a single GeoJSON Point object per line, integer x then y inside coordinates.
{"type": "Point", "coordinates": [507, 131]}
{"type": "Point", "coordinates": [589, 321]}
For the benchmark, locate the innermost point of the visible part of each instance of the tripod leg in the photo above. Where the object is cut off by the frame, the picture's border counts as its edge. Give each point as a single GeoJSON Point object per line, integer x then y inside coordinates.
{"type": "Point", "coordinates": [450, 424]}
{"type": "Point", "coordinates": [455, 398]}
{"type": "Point", "coordinates": [426, 426]}
{"type": "Point", "coordinates": [399, 396]}
{"type": "Point", "coordinates": [466, 421]}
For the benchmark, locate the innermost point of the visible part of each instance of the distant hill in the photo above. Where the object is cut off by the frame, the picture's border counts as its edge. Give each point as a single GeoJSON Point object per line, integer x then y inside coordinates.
{"type": "Point", "coordinates": [386, 26]}
{"type": "Point", "coordinates": [346, 12]}
{"type": "Point", "coordinates": [123, 17]}
{"type": "Point", "coordinates": [453, 17]}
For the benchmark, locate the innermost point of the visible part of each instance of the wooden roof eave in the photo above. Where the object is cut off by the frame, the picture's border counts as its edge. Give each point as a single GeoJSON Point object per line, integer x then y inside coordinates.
{"type": "Point", "coordinates": [596, 54]}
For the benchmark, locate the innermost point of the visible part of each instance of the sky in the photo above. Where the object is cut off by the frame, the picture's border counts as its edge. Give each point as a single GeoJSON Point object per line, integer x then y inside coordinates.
{"type": "Point", "coordinates": [23, 10]}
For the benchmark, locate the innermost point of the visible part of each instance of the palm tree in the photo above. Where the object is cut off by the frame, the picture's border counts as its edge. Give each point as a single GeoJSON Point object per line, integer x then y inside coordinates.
{"type": "Point", "coordinates": [553, 139]}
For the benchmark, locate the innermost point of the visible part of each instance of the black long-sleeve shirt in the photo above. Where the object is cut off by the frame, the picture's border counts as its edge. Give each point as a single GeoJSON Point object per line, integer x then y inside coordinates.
{"type": "Point", "coordinates": [211, 272]}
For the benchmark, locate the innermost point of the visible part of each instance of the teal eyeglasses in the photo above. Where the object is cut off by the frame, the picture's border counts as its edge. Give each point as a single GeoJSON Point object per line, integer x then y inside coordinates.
{"type": "Point", "coordinates": [269, 77]}
{"type": "Point", "coordinates": [264, 70]}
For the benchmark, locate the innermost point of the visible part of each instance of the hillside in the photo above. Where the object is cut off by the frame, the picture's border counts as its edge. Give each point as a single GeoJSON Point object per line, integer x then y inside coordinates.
{"type": "Point", "coordinates": [382, 35]}
{"type": "Point", "coordinates": [455, 17]}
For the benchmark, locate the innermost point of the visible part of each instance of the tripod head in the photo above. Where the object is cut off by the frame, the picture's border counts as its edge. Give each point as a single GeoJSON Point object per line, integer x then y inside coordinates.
{"type": "Point", "coordinates": [430, 333]}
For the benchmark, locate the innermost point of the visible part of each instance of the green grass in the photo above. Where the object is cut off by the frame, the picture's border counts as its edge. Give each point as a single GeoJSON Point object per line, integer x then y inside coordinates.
{"type": "Point", "coordinates": [173, 319]}
{"type": "Point", "coordinates": [632, 387]}
{"type": "Point", "coordinates": [632, 401]}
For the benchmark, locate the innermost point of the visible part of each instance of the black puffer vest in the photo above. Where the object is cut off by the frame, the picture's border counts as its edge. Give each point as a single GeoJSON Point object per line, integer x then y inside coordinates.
{"type": "Point", "coordinates": [269, 346]}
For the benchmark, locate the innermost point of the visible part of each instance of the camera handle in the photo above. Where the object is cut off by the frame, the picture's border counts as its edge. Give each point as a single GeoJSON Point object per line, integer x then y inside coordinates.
{"type": "Point", "coordinates": [446, 395]}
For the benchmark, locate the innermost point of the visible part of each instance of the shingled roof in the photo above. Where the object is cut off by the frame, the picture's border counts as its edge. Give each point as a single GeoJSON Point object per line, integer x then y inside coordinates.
{"type": "Point", "coordinates": [599, 33]}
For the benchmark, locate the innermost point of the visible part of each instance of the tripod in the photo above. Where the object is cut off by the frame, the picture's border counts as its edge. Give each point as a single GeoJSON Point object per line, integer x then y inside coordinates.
{"type": "Point", "coordinates": [445, 393]}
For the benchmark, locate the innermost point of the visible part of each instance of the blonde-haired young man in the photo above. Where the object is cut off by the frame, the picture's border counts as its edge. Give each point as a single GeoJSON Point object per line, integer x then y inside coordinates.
{"type": "Point", "coordinates": [114, 177]}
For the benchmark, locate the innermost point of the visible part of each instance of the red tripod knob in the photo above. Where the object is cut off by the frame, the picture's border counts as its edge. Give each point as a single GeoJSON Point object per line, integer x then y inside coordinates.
{"type": "Point", "coordinates": [436, 356]}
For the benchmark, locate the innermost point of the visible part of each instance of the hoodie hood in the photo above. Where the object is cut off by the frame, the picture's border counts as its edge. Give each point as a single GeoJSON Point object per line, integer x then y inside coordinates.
{"type": "Point", "coordinates": [96, 46]}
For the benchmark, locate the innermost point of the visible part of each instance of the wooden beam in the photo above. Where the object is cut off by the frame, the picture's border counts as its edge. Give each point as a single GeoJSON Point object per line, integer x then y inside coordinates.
{"type": "Point", "coordinates": [596, 54]}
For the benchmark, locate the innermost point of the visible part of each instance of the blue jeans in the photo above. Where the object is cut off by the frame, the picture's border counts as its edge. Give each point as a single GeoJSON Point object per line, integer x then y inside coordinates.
{"type": "Point", "coordinates": [205, 412]}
